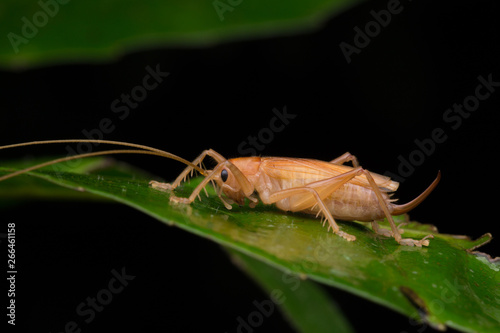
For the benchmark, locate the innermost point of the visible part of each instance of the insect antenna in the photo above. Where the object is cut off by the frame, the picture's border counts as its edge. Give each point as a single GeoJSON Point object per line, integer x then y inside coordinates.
{"type": "Point", "coordinates": [142, 150]}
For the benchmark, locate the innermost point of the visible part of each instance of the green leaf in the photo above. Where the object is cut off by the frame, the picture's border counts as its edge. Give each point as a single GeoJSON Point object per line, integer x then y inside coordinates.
{"type": "Point", "coordinates": [46, 31]}
{"type": "Point", "coordinates": [445, 284]}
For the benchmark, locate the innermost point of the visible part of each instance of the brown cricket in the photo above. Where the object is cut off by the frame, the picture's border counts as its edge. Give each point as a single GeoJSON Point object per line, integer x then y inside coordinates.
{"type": "Point", "coordinates": [330, 189]}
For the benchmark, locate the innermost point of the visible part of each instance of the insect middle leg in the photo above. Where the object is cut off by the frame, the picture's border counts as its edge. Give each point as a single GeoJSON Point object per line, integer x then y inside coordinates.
{"type": "Point", "coordinates": [322, 207]}
{"type": "Point", "coordinates": [309, 196]}
{"type": "Point", "coordinates": [346, 157]}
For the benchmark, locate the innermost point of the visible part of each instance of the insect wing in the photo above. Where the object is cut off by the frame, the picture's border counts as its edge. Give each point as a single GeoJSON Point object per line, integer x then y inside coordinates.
{"type": "Point", "coordinates": [303, 171]}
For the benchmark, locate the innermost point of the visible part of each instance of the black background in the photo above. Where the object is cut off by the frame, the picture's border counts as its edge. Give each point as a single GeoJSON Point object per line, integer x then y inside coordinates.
{"type": "Point", "coordinates": [395, 91]}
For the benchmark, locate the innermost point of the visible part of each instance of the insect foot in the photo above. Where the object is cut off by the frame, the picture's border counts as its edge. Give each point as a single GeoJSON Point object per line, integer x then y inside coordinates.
{"type": "Point", "coordinates": [402, 231]}
{"type": "Point", "coordinates": [346, 236]}
{"type": "Point", "coordinates": [161, 186]}
{"type": "Point", "coordinates": [419, 243]}
{"type": "Point", "coordinates": [175, 199]}
{"type": "Point", "coordinates": [385, 232]}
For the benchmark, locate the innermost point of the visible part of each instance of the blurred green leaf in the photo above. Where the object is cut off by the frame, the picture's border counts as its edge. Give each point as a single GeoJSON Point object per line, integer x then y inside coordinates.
{"type": "Point", "coordinates": [303, 302]}
{"type": "Point", "coordinates": [49, 31]}
{"type": "Point", "coordinates": [443, 284]}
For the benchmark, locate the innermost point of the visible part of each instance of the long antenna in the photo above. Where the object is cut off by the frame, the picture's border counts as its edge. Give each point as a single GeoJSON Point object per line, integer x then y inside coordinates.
{"type": "Point", "coordinates": [145, 150]}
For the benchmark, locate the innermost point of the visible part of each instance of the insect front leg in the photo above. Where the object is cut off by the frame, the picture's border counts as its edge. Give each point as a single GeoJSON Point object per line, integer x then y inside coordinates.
{"type": "Point", "coordinates": [216, 171]}
{"type": "Point", "coordinates": [242, 184]}
{"type": "Point", "coordinates": [183, 175]}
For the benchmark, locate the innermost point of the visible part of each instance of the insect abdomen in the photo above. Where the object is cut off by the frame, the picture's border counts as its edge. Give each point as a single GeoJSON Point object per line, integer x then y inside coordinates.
{"type": "Point", "coordinates": [352, 202]}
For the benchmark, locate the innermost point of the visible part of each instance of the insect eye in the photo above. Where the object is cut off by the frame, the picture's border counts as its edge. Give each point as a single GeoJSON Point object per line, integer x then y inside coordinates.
{"type": "Point", "coordinates": [224, 175]}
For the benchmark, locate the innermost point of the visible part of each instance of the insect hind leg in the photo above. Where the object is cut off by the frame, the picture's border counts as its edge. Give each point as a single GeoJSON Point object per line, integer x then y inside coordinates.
{"type": "Point", "coordinates": [394, 230]}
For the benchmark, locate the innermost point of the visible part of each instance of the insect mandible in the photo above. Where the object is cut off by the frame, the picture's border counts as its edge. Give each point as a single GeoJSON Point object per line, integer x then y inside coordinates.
{"type": "Point", "coordinates": [330, 189]}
